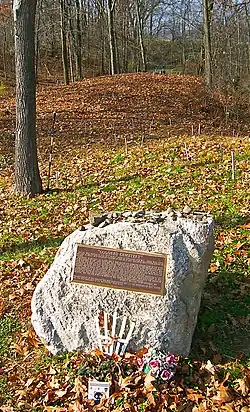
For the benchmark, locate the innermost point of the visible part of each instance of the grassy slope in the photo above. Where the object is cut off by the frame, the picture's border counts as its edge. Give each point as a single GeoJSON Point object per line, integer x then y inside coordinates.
{"type": "Point", "coordinates": [155, 114]}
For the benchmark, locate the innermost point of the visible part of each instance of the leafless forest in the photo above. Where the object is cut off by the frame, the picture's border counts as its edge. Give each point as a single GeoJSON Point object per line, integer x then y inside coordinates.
{"type": "Point", "coordinates": [86, 38]}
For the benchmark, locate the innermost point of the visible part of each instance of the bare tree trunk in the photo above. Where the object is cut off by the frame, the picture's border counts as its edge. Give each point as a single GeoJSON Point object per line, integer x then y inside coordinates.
{"type": "Point", "coordinates": [39, 6]}
{"type": "Point", "coordinates": [27, 177]}
{"type": "Point", "coordinates": [64, 42]}
{"type": "Point", "coordinates": [103, 50]}
{"type": "Point", "coordinates": [207, 6]}
{"type": "Point", "coordinates": [111, 30]}
{"type": "Point", "coordinates": [248, 32]}
{"type": "Point", "coordinates": [74, 40]}
{"type": "Point", "coordinates": [71, 64]}
{"type": "Point", "coordinates": [140, 32]}
{"type": "Point", "coordinates": [125, 42]}
{"type": "Point", "coordinates": [78, 42]}
{"type": "Point", "coordinates": [183, 30]}
{"type": "Point", "coordinates": [5, 54]}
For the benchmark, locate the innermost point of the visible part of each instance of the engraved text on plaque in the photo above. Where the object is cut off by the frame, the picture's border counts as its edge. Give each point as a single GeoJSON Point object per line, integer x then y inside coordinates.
{"type": "Point", "coordinates": [120, 269]}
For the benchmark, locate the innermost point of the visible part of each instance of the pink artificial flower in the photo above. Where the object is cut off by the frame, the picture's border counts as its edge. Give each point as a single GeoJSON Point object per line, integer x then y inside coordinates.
{"type": "Point", "coordinates": [166, 375]}
{"type": "Point", "coordinates": [170, 359]}
{"type": "Point", "coordinates": [155, 363]}
{"type": "Point", "coordinates": [140, 362]}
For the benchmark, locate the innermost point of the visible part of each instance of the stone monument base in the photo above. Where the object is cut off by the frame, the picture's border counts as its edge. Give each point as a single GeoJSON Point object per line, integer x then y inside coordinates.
{"type": "Point", "coordinates": [63, 312]}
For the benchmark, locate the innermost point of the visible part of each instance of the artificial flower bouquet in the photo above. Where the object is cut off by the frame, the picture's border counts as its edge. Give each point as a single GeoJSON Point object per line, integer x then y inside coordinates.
{"type": "Point", "coordinates": [158, 364]}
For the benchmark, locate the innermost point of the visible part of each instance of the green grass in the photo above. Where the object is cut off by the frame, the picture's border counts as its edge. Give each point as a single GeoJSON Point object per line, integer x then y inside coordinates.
{"type": "Point", "coordinates": [110, 187]}
{"type": "Point", "coordinates": [20, 249]}
{"type": "Point", "coordinates": [45, 359]}
{"type": "Point", "coordinates": [3, 88]}
{"type": "Point", "coordinates": [8, 326]}
{"type": "Point", "coordinates": [117, 159]}
{"type": "Point", "coordinates": [153, 176]}
{"type": "Point", "coordinates": [4, 392]}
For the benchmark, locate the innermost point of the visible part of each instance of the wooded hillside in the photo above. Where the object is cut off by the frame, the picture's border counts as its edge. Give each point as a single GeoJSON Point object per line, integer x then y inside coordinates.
{"type": "Point", "coordinates": [127, 142]}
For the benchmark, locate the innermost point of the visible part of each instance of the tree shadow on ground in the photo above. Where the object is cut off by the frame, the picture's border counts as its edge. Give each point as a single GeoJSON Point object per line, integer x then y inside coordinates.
{"type": "Point", "coordinates": [223, 326]}
{"type": "Point", "coordinates": [29, 247]}
{"type": "Point", "coordinates": [231, 221]}
{"type": "Point", "coordinates": [90, 186]}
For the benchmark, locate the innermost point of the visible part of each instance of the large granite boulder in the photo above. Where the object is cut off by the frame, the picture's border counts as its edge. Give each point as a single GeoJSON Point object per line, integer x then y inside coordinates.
{"type": "Point", "coordinates": [63, 312]}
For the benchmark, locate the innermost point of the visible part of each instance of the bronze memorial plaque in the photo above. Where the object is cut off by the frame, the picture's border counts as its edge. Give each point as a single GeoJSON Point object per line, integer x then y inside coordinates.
{"type": "Point", "coordinates": [120, 269]}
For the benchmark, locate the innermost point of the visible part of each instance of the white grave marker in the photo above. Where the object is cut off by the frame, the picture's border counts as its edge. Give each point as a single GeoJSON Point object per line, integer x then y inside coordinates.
{"type": "Point", "coordinates": [96, 390]}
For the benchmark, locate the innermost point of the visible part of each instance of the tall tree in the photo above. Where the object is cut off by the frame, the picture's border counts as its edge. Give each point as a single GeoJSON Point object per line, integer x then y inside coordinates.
{"type": "Point", "coordinates": [63, 10]}
{"type": "Point", "coordinates": [140, 32]}
{"type": "Point", "coordinates": [78, 41]}
{"type": "Point", "coordinates": [111, 30]}
{"type": "Point", "coordinates": [27, 177]}
{"type": "Point", "coordinates": [207, 6]}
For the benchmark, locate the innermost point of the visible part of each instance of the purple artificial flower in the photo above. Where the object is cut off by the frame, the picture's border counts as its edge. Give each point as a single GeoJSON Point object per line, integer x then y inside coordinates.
{"type": "Point", "coordinates": [166, 375]}
{"type": "Point", "coordinates": [155, 363]}
{"type": "Point", "coordinates": [170, 359]}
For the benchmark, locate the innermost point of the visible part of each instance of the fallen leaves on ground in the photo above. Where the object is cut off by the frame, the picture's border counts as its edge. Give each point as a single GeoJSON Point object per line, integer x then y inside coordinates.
{"type": "Point", "coordinates": [194, 385]}
{"type": "Point", "coordinates": [161, 165]}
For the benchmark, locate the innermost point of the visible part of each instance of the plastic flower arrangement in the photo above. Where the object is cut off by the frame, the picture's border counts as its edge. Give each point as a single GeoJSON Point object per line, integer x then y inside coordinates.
{"type": "Point", "coordinates": [158, 364]}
